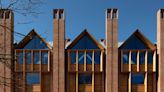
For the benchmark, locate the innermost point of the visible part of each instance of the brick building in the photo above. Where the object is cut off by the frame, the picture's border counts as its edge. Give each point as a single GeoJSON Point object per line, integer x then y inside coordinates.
{"type": "Point", "coordinates": [81, 65]}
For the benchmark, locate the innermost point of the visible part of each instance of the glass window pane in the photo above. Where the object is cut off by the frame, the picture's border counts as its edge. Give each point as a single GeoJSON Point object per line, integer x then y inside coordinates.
{"type": "Point", "coordinates": [28, 57]}
{"type": "Point", "coordinates": [137, 78]}
{"type": "Point", "coordinates": [36, 58]}
{"type": "Point", "coordinates": [36, 43]}
{"type": "Point", "coordinates": [44, 57]}
{"type": "Point", "coordinates": [32, 78]}
{"type": "Point", "coordinates": [134, 43]}
{"type": "Point", "coordinates": [81, 58]}
{"type": "Point", "coordinates": [150, 58]}
{"type": "Point", "coordinates": [20, 58]}
{"type": "Point", "coordinates": [97, 57]}
{"type": "Point", "coordinates": [89, 57]}
{"type": "Point", "coordinates": [134, 58]}
{"type": "Point", "coordinates": [125, 57]}
{"type": "Point", "coordinates": [142, 57]}
{"type": "Point", "coordinates": [85, 43]}
{"type": "Point", "coordinates": [85, 78]}
{"type": "Point", "coordinates": [73, 57]}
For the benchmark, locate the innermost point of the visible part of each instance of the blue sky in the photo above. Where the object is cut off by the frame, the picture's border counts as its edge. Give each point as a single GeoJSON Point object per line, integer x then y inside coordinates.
{"type": "Point", "coordinates": [90, 15]}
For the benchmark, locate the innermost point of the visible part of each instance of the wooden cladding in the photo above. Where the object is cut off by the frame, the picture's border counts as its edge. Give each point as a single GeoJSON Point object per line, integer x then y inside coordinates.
{"type": "Point", "coordinates": [95, 83]}
{"type": "Point", "coordinates": [138, 61]}
{"type": "Point", "coordinates": [149, 84]}
{"type": "Point", "coordinates": [85, 60]}
{"type": "Point", "coordinates": [34, 63]}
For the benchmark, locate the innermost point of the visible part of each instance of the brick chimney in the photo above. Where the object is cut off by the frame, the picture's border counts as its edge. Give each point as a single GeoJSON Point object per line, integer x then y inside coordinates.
{"type": "Point", "coordinates": [6, 49]}
{"type": "Point", "coordinates": [111, 81]}
{"type": "Point", "coordinates": [59, 51]}
{"type": "Point", "coordinates": [160, 48]}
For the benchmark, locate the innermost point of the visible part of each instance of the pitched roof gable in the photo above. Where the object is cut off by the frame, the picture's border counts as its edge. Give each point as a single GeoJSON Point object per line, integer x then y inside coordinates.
{"type": "Point", "coordinates": [140, 37]}
{"type": "Point", "coordinates": [79, 37]}
{"type": "Point", "coordinates": [28, 38]}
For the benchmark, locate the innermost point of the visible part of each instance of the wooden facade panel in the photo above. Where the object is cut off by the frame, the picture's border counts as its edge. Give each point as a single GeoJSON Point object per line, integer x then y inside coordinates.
{"type": "Point", "coordinates": [36, 68]}
{"type": "Point", "coordinates": [125, 68]}
{"type": "Point", "coordinates": [46, 82]}
{"type": "Point", "coordinates": [45, 68]}
{"type": "Point", "coordinates": [19, 82]}
{"type": "Point", "coordinates": [29, 89]}
{"type": "Point", "coordinates": [97, 68]}
{"type": "Point", "coordinates": [19, 68]}
{"type": "Point", "coordinates": [73, 68]}
{"type": "Point", "coordinates": [123, 82]}
{"type": "Point", "coordinates": [81, 67]}
{"type": "Point", "coordinates": [150, 68]}
{"type": "Point", "coordinates": [134, 68]}
{"type": "Point", "coordinates": [142, 68]}
{"type": "Point", "coordinates": [138, 88]}
{"type": "Point", "coordinates": [72, 82]}
{"type": "Point", "coordinates": [149, 89]}
{"type": "Point", "coordinates": [28, 67]}
{"type": "Point", "coordinates": [36, 88]}
{"type": "Point", "coordinates": [85, 88]}
{"type": "Point", "coordinates": [89, 68]}
{"type": "Point", "coordinates": [98, 82]}
{"type": "Point", "coordinates": [150, 83]}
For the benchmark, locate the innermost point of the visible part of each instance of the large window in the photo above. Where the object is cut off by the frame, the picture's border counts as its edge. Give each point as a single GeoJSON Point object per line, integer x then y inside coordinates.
{"type": "Point", "coordinates": [142, 57]}
{"type": "Point", "coordinates": [134, 58]}
{"type": "Point", "coordinates": [134, 43]}
{"type": "Point", "coordinates": [137, 78]}
{"type": "Point", "coordinates": [20, 57]}
{"type": "Point", "coordinates": [36, 57]}
{"type": "Point", "coordinates": [35, 43]}
{"type": "Point", "coordinates": [85, 78]}
{"type": "Point", "coordinates": [150, 58]}
{"type": "Point", "coordinates": [125, 57]}
{"type": "Point", "coordinates": [81, 56]}
{"type": "Point", "coordinates": [44, 57]}
{"type": "Point", "coordinates": [97, 57]}
{"type": "Point", "coordinates": [89, 57]}
{"type": "Point", "coordinates": [32, 78]}
{"type": "Point", "coordinates": [28, 57]}
{"type": "Point", "coordinates": [85, 43]}
{"type": "Point", "coordinates": [73, 57]}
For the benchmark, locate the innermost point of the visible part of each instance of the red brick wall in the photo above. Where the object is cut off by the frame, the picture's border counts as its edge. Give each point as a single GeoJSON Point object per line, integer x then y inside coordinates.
{"type": "Point", "coordinates": [111, 50]}
{"type": "Point", "coordinates": [59, 52]}
{"type": "Point", "coordinates": [6, 47]}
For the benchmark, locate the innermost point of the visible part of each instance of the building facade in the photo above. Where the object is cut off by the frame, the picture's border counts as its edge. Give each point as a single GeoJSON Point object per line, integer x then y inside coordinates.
{"type": "Point", "coordinates": [81, 65]}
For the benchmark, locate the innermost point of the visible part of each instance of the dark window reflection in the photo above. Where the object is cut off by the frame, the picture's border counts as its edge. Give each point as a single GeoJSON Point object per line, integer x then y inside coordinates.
{"type": "Point", "coordinates": [137, 78]}
{"type": "Point", "coordinates": [97, 57]}
{"type": "Point", "coordinates": [35, 43]}
{"type": "Point", "coordinates": [20, 58]}
{"type": "Point", "coordinates": [28, 58]}
{"type": "Point", "coordinates": [36, 58]}
{"type": "Point", "coordinates": [73, 57]}
{"type": "Point", "coordinates": [142, 57]}
{"type": "Point", "coordinates": [44, 57]}
{"type": "Point", "coordinates": [81, 58]}
{"type": "Point", "coordinates": [32, 78]}
{"type": "Point", "coordinates": [125, 57]}
{"type": "Point", "coordinates": [150, 58]}
{"type": "Point", "coordinates": [89, 57]}
{"type": "Point", "coordinates": [134, 58]}
{"type": "Point", "coordinates": [85, 78]}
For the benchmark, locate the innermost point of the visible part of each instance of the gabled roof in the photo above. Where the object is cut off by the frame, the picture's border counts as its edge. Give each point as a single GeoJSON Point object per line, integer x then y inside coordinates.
{"type": "Point", "coordinates": [85, 32]}
{"type": "Point", "coordinates": [28, 38]}
{"type": "Point", "coordinates": [141, 37]}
